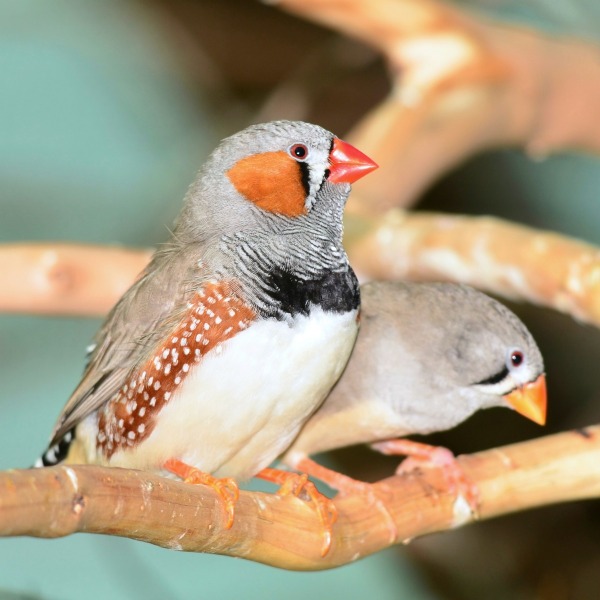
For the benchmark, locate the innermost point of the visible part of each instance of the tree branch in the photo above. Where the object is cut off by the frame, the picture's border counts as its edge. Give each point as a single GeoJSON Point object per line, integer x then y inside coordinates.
{"type": "Point", "coordinates": [513, 261]}
{"type": "Point", "coordinates": [494, 255]}
{"type": "Point", "coordinates": [285, 532]}
{"type": "Point", "coordinates": [66, 279]}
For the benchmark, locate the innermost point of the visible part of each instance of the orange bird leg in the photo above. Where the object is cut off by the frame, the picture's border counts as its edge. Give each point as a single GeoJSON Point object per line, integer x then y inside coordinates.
{"type": "Point", "coordinates": [426, 456]}
{"type": "Point", "coordinates": [347, 486]}
{"type": "Point", "coordinates": [297, 483]}
{"type": "Point", "coordinates": [226, 487]}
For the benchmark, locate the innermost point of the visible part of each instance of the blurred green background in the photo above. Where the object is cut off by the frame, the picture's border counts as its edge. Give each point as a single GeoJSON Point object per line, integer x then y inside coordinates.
{"type": "Point", "coordinates": [106, 111]}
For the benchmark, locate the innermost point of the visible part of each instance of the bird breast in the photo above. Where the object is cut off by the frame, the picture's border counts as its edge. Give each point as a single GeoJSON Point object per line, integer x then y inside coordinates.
{"type": "Point", "coordinates": [239, 408]}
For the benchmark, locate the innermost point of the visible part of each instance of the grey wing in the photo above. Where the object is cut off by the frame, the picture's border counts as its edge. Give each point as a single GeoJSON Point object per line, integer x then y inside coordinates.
{"type": "Point", "coordinates": [144, 314]}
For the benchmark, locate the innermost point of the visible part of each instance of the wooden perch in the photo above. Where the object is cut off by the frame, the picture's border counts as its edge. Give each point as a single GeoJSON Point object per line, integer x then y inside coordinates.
{"type": "Point", "coordinates": [285, 532]}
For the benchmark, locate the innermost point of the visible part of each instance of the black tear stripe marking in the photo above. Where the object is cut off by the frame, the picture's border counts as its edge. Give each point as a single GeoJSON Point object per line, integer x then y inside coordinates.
{"type": "Point", "coordinates": [334, 292]}
{"type": "Point", "coordinates": [58, 451]}
{"type": "Point", "coordinates": [305, 177]}
{"type": "Point", "coordinates": [497, 378]}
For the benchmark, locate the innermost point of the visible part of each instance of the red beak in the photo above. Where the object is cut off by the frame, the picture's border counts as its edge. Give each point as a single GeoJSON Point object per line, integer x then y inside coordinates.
{"type": "Point", "coordinates": [347, 163]}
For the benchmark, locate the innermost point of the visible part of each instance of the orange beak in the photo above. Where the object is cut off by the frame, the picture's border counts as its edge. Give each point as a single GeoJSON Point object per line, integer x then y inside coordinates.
{"type": "Point", "coordinates": [347, 164]}
{"type": "Point", "coordinates": [529, 400]}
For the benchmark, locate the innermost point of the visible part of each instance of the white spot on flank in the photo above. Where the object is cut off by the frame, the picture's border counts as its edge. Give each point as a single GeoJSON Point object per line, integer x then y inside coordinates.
{"type": "Point", "coordinates": [150, 380]}
{"type": "Point", "coordinates": [231, 312]}
{"type": "Point", "coordinates": [121, 422]}
{"type": "Point", "coordinates": [210, 313]}
{"type": "Point", "coordinates": [218, 320]}
{"type": "Point", "coordinates": [205, 342]}
{"type": "Point", "coordinates": [141, 428]}
{"type": "Point", "coordinates": [186, 350]}
{"type": "Point", "coordinates": [142, 411]}
{"type": "Point", "coordinates": [153, 401]}
{"type": "Point", "coordinates": [210, 300]}
{"type": "Point", "coordinates": [185, 368]}
{"type": "Point", "coordinates": [165, 354]}
{"type": "Point", "coordinates": [198, 337]}
{"type": "Point", "coordinates": [183, 342]}
{"type": "Point", "coordinates": [177, 380]}
{"type": "Point", "coordinates": [206, 326]}
{"type": "Point", "coordinates": [174, 340]}
{"type": "Point", "coordinates": [167, 395]}
{"type": "Point", "coordinates": [157, 385]}
{"type": "Point", "coordinates": [146, 396]}
{"type": "Point", "coordinates": [131, 435]}
{"type": "Point", "coordinates": [167, 368]}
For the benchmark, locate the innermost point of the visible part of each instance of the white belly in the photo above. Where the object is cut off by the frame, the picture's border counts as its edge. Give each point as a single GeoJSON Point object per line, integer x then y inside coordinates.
{"type": "Point", "coordinates": [240, 408]}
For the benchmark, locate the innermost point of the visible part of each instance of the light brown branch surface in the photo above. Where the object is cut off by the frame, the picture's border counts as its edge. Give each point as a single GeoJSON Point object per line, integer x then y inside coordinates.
{"type": "Point", "coordinates": [285, 532]}
{"type": "Point", "coordinates": [514, 261]}
{"type": "Point", "coordinates": [460, 84]}
{"type": "Point", "coordinates": [517, 262]}
{"type": "Point", "coordinates": [66, 279]}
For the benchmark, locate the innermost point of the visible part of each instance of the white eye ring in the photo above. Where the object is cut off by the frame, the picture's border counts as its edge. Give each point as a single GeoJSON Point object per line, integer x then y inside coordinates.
{"type": "Point", "coordinates": [515, 359]}
{"type": "Point", "coordinates": [299, 152]}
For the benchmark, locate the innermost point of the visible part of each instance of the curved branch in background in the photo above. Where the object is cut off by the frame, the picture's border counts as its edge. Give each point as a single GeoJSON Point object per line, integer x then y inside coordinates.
{"type": "Point", "coordinates": [494, 255]}
{"type": "Point", "coordinates": [513, 261]}
{"type": "Point", "coordinates": [286, 532]}
{"type": "Point", "coordinates": [66, 279]}
{"type": "Point", "coordinates": [460, 84]}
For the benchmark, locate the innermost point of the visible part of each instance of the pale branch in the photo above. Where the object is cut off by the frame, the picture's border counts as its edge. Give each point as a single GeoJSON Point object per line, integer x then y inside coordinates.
{"type": "Point", "coordinates": [65, 279]}
{"type": "Point", "coordinates": [460, 84]}
{"type": "Point", "coordinates": [285, 532]}
{"type": "Point", "coordinates": [517, 262]}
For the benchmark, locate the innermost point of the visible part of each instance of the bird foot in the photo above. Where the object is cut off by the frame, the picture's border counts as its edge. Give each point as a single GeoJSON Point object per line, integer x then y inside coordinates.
{"type": "Point", "coordinates": [426, 456]}
{"type": "Point", "coordinates": [226, 487]}
{"type": "Point", "coordinates": [347, 486]}
{"type": "Point", "coordinates": [298, 484]}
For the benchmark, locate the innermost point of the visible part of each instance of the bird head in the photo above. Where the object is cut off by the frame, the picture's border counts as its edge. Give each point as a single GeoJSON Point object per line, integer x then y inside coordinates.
{"type": "Point", "coordinates": [499, 361]}
{"type": "Point", "coordinates": [284, 170]}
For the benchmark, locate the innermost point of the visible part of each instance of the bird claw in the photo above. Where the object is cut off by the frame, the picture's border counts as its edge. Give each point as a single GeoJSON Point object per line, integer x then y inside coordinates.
{"type": "Point", "coordinates": [298, 485]}
{"type": "Point", "coordinates": [225, 487]}
{"type": "Point", "coordinates": [347, 486]}
{"type": "Point", "coordinates": [425, 456]}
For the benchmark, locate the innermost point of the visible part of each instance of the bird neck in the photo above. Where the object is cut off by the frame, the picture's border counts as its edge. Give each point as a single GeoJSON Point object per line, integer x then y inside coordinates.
{"type": "Point", "coordinates": [285, 272]}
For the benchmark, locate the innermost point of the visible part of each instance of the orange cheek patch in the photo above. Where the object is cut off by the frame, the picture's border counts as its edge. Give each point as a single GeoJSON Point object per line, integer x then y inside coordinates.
{"type": "Point", "coordinates": [272, 180]}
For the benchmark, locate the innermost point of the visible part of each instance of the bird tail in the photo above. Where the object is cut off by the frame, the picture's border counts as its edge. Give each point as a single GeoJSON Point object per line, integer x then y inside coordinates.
{"type": "Point", "coordinates": [57, 452]}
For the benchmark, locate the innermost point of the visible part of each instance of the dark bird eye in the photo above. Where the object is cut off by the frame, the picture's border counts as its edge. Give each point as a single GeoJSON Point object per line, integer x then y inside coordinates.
{"type": "Point", "coordinates": [299, 151]}
{"type": "Point", "coordinates": [516, 358]}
